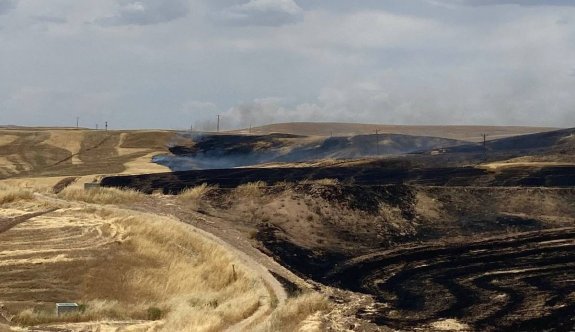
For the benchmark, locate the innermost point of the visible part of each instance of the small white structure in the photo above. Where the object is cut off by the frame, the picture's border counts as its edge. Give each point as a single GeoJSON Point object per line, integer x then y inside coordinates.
{"type": "Point", "coordinates": [66, 308]}
{"type": "Point", "coordinates": [91, 186]}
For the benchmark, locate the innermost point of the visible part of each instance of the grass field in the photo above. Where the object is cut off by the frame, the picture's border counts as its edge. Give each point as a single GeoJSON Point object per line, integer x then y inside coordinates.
{"type": "Point", "coordinates": [120, 265]}
{"type": "Point", "coordinates": [70, 152]}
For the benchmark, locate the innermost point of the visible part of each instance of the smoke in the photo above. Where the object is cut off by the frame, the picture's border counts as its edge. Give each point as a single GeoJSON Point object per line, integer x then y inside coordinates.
{"type": "Point", "coordinates": [229, 151]}
{"type": "Point", "coordinates": [462, 96]}
{"type": "Point", "coordinates": [361, 102]}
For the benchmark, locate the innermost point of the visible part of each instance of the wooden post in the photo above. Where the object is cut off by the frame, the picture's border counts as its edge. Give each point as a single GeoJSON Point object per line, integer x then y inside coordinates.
{"type": "Point", "coordinates": [234, 272]}
{"type": "Point", "coordinates": [377, 141]}
{"type": "Point", "coordinates": [485, 147]}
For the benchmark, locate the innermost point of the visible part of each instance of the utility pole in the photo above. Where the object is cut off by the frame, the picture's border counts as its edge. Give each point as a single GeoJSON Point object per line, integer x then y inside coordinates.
{"type": "Point", "coordinates": [218, 127]}
{"type": "Point", "coordinates": [96, 126]}
{"type": "Point", "coordinates": [377, 141]}
{"type": "Point", "coordinates": [484, 146]}
{"type": "Point", "coordinates": [77, 122]}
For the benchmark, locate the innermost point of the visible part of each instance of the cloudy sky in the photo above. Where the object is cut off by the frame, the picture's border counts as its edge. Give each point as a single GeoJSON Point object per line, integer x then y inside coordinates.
{"type": "Point", "coordinates": [173, 63]}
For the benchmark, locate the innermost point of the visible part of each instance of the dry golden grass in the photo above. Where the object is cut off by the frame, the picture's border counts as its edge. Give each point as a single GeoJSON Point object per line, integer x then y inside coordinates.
{"type": "Point", "coordinates": [321, 182]}
{"type": "Point", "coordinates": [252, 190]}
{"type": "Point", "coordinates": [102, 195]}
{"type": "Point", "coordinates": [189, 278]}
{"type": "Point", "coordinates": [94, 311]}
{"type": "Point", "coordinates": [196, 197]}
{"type": "Point", "coordinates": [10, 194]}
{"type": "Point", "coordinates": [37, 152]}
{"type": "Point", "coordinates": [137, 263]}
{"type": "Point", "coordinates": [126, 264]}
{"type": "Point", "coordinates": [290, 316]}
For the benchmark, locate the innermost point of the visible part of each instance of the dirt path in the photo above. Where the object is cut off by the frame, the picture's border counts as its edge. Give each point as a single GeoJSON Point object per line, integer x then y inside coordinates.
{"type": "Point", "coordinates": [250, 259]}
{"type": "Point", "coordinates": [7, 224]}
{"type": "Point", "coordinates": [219, 231]}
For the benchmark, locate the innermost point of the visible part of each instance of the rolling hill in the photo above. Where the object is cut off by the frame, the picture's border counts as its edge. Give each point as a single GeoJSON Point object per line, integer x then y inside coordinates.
{"type": "Point", "coordinates": [457, 132]}
{"type": "Point", "coordinates": [34, 152]}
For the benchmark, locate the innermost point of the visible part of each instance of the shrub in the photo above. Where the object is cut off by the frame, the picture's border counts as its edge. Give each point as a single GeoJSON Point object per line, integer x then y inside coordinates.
{"type": "Point", "coordinates": [196, 193]}
{"type": "Point", "coordinates": [155, 313]}
{"type": "Point", "coordinates": [14, 194]}
{"type": "Point", "coordinates": [250, 190]}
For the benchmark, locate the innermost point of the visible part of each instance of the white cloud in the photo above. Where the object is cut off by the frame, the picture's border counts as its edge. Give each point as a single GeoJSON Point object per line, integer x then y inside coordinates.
{"type": "Point", "coordinates": [505, 2]}
{"type": "Point", "coordinates": [33, 105]}
{"type": "Point", "coordinates": [6, 6]}
{"type": "Point", "coordinates": [263, 13]}
{"type": "Point", "coordinates": [388, 61]}
{"type": "Point", "coordinates": [146, 12]}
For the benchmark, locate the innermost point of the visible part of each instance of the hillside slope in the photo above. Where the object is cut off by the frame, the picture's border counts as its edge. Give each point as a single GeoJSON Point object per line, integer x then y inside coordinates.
{"type": "Point", "coordinates": [554, 147]}
{"type": "Point", "coordinates": [466, 133]}
{"type": "Point", "coordinates": [27, 152]}
{"type": "Point", "coordinates": [227, 150]}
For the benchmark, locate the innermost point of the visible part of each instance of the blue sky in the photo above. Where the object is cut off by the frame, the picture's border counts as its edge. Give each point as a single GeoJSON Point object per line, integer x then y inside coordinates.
{"type": "Point", "coordinates": [173, 63]}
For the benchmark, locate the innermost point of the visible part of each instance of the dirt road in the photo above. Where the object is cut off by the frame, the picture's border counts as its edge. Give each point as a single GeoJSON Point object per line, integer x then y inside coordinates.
{"type": "Point", "coordinates": [250, 259]}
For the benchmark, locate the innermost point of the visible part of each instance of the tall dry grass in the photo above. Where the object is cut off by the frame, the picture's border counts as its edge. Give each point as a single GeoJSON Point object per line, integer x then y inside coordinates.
{"type": "Point", "coordinates": [321, 182]}
{"type": "Point", "coordinates": [102, 195]}
{"type": "Point", "coordinates": [9, 194]}
{"type": "Point", "coordinates": [193, 279]}
{"type": "Point", "coordinates": [96, 310]}
{"type": "Point", "coordinates": [290, 316]}
{"type": "Point", "coordinates": [195, 197]}
{"type": "Point", "coordinates": [252, 190]}
{"type": "Point", "coordinates": [160, 265]}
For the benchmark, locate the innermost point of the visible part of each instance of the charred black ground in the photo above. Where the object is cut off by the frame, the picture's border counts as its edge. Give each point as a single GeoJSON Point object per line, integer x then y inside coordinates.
{"type": "Point", "coordinates": [383, 174]}
{"type": "Point", "coordinates": [432, 236]}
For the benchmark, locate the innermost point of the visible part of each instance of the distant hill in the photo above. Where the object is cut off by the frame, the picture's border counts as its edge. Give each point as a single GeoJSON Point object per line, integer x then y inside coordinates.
{"type": "Point", "coordinates": [35, 152]}
{"type": "Point", "coordinates": [552, 148]}
{"type": "Point", "coordinates": [558, 141]}
{"type": "Point", "coordinates": [466, 133]}
{"type": "Point", "coordinates": [229, 150]}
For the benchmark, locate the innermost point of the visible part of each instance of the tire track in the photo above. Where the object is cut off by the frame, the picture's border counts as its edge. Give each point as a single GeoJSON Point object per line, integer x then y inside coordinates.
{"type": "Point", "coordinates": [505, 283]}
{"type": "Point", "coordinates": [7, 224]}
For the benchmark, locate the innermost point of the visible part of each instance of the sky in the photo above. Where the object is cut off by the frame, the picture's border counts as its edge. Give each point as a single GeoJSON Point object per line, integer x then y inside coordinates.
{"type": "Point", "coordinates": [178, 63]}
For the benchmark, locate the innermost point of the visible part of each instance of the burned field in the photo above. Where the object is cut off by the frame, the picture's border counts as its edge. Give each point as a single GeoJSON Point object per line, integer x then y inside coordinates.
{"type": "Point", "coordinates": [475, 237]}
{"type": "Point", "coordinates": [488, 250]}
{"type": "Point", "coordinates": [378, 174]}
{"type": "Point", "coordinates": [521, 282]}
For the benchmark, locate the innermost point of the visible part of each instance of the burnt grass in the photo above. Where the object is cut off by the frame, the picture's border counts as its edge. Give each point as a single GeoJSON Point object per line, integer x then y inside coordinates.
{"type": "Point", "coordinates": [491, 270]}
{"type": "Point", "coordinates": [394, 173]}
